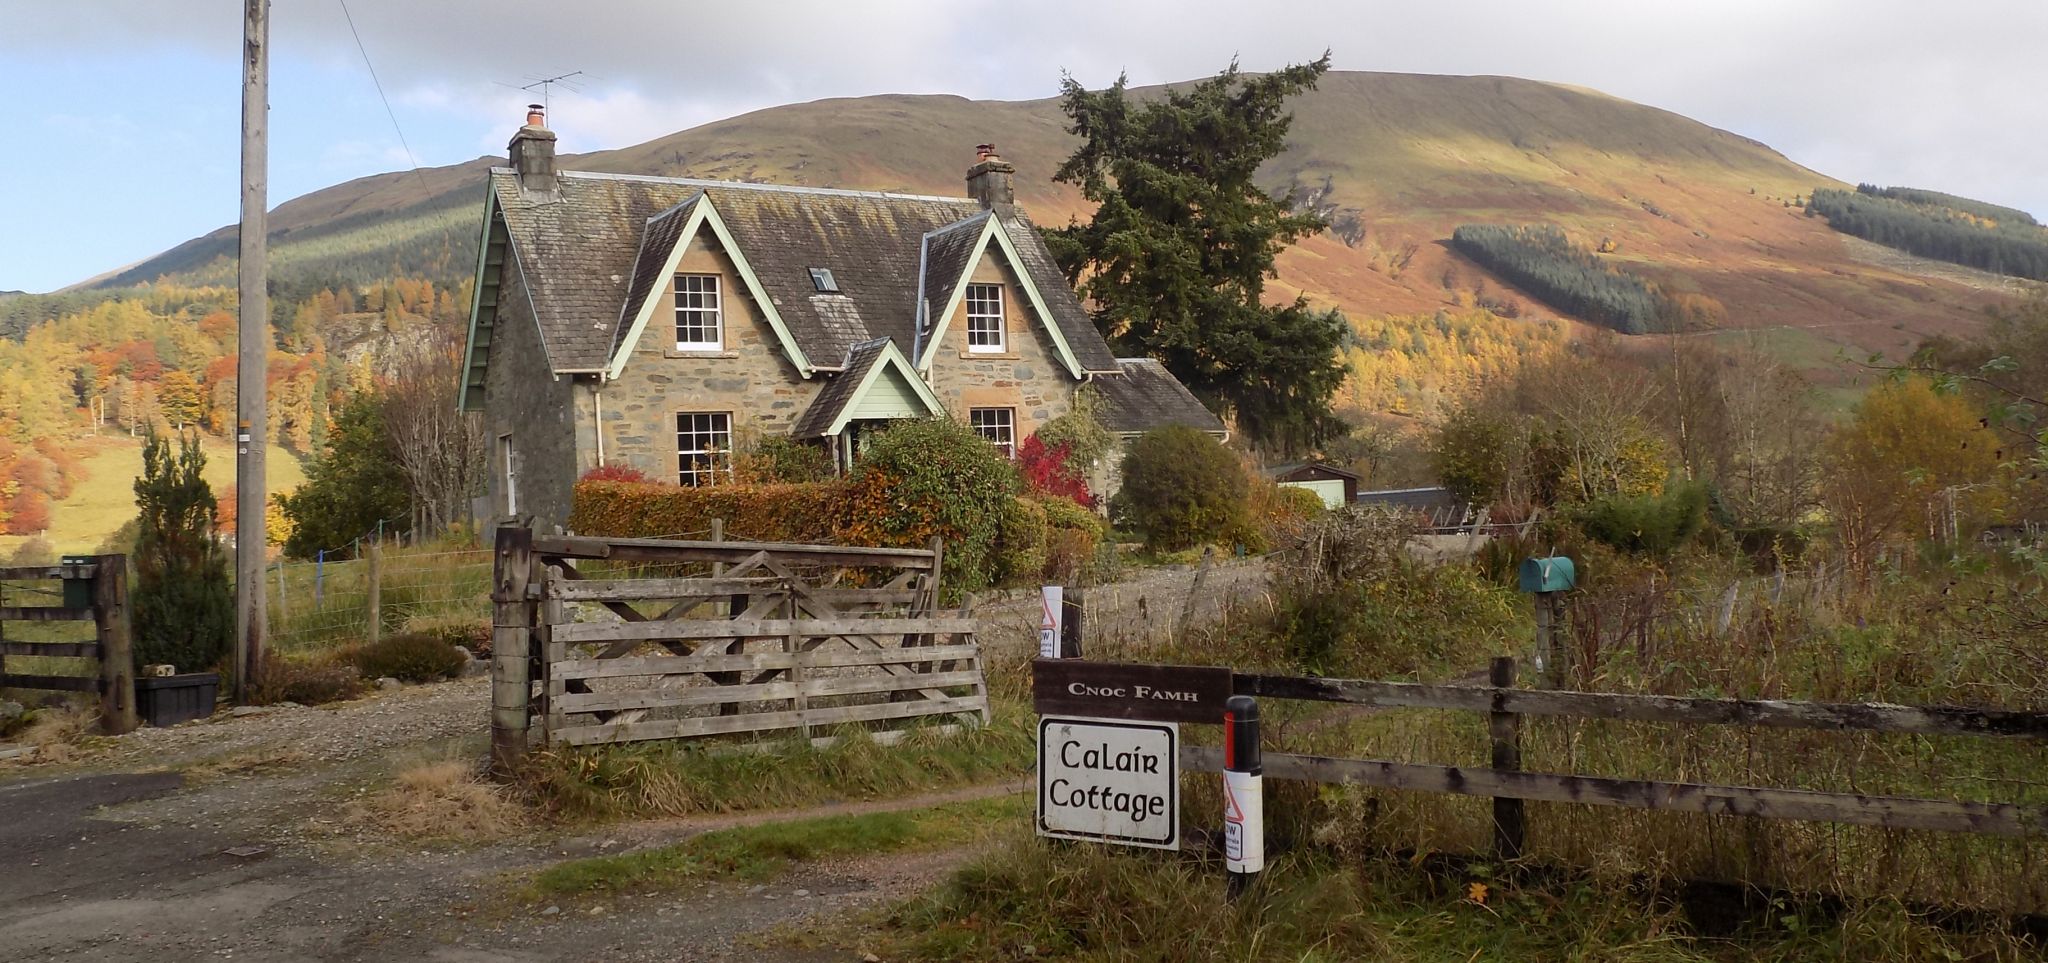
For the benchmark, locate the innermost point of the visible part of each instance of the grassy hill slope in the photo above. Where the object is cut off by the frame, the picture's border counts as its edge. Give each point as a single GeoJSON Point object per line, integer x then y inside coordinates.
{"type": "Point", "coordinates": [1397, 159]}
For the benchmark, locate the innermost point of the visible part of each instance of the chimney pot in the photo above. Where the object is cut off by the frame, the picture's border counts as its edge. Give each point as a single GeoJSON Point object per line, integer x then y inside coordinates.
{"type": "Point", "coordinates": [988, 181]}
{"type": "Point", "coordinates": [536, 115]}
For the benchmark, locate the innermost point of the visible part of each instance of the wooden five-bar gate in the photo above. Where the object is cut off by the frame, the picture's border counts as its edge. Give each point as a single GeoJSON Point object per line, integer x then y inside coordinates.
{"type": "Point", "coordinates": [605, 640]}
{"type": "Point", "coordinates": [92, 589]}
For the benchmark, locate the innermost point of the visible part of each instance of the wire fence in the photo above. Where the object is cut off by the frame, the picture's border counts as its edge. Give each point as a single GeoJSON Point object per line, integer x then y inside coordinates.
{"type": "Point", "coordinates": [328, 603]}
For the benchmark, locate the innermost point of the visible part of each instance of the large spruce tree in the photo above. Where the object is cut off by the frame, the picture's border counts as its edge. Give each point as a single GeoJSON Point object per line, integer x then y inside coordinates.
{"type": "Point", "coordinates": [1183, 239]}
{"type": "Point", "coordinates": [183, 602]}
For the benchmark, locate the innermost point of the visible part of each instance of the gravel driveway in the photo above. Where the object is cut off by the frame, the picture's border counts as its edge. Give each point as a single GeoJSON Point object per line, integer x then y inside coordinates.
{"type": "Point", "coordinates": [214, 840]}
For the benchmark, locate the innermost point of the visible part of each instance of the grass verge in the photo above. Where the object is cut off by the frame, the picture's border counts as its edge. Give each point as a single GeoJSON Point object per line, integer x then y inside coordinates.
{"type": "Point", "coordinates": [767, 850]}
{"type": "Point", "coordinates": [693, 778]}
{"type": "Point", "coordinates": [1037, 899]}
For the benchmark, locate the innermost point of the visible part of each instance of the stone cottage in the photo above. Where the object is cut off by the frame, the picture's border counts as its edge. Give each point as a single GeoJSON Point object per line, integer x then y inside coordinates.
{"type": "Point", "coordinates": [661, 322]}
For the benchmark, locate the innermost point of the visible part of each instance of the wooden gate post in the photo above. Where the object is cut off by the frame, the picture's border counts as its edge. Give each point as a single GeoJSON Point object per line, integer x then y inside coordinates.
{"type": "Point", "coordinates": [511, 628]}
{"type": "Point", "coordinates": [117, 660]}
{"type": "Point", "coordinates": [1505, 730]}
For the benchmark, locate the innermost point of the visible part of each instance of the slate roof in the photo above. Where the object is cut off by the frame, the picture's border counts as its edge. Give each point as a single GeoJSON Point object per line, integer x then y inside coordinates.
{"type": "Point", "coordinates": [1148, 397]}
{"type": "Point", "coordinates": [838, 392]}
{"type": "Point", "coordinates": [945, 260]}
{"type": "Point", "coordinates": [592, 250]}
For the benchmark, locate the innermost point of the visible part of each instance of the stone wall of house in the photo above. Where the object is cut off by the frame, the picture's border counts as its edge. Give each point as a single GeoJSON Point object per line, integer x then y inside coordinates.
{"type": "Point", "coordinates": [750, 378]}
{"type": "Point", "coordinates": [1028, 377]}
{"type": "Point", "coordinates": [524, 400]}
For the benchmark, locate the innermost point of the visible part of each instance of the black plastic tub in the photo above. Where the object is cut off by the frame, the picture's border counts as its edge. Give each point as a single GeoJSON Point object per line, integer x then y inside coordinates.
{"type": "Point", "coordinates": [170, 699]}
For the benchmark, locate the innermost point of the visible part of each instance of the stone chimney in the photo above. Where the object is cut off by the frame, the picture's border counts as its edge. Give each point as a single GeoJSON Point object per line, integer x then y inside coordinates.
{"type": "Point", "coordinates": [533, 153]}
{"type": "Point", "coordinates": [989, 180]}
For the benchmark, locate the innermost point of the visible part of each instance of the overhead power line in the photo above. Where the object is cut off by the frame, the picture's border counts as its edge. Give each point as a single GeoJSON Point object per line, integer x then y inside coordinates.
{"type": "Point", "coordinates": [388, 112]}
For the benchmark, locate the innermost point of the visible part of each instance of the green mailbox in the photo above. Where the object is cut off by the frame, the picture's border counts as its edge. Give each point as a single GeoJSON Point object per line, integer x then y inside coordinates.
{"type": "Point", "coordinates": [77, 591]}
{"type": "Point", "coordinates": [1554, 574]}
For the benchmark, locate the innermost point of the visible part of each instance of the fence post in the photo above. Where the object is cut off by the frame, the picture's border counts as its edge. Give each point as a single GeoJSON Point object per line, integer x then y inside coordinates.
{"type": "Point", "coordinates": [1505, 729]}
{"type": "Point", "coordinates": [376, 587]}
{"type": "Point", "coordinates": [117, 660]}
{"type": "Point", "coordinates": [319, 578]}
{"type": "Point", "coordinates": [1550, 649]}
{"type": "Point", "coordinates": [511, 627]}
{"type": "Point", "coordinates": [1073, 609]}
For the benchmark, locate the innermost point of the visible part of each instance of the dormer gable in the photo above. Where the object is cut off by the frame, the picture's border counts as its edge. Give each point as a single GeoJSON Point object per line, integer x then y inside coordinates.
{"type": "Point", "coordinates": [947, 263]}
{"type": "Point", "coordinates": [663, 241]}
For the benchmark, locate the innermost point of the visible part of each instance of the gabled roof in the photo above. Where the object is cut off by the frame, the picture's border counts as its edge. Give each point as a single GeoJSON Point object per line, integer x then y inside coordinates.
{"type": "Point", "coordinates": [866, 364]}
{"type": "Point", "coordinates": [589, 248]}
{"type": "Point", "coordinates": [960, 247]}
{"type": "Point", "coordinates": [1148, 396]}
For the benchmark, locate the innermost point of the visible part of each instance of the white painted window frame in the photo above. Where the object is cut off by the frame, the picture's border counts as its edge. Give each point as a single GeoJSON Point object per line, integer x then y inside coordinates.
{"type": "Point", "coordinates": [1001, 323]}
{"type": "Point", "coordinates": [1001, 433]}
{"type": "Point", "coordinates": [716, 309]}
{"type": "Point", "coordinates": [716, 460]}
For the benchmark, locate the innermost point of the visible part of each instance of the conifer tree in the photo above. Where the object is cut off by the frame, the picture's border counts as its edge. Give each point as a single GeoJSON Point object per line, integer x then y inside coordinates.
{"type": "Point", "coordinates": [183, 604]}
{"type": "Point", "coordinates": [1182, 242]}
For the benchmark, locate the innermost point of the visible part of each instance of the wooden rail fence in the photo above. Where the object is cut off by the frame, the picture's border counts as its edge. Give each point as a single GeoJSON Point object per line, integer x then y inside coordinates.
{"type": "Point", "coordinates": [1509, 786]}
{"type": "Point", "coordinates": [774, 637]}
{"type": "Point", "coordinates": [94, 591]}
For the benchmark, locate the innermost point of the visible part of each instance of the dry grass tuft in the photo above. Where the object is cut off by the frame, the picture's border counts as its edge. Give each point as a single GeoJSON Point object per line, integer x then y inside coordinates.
{"type": "Point", "coordinates": [57, 733]}
{"type": "Point", "coordinates": [440, 799]}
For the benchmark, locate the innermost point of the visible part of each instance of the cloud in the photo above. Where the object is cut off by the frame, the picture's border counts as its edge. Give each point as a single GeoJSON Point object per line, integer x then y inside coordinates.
{"type": "Point", "coordinates": [1943, 95]}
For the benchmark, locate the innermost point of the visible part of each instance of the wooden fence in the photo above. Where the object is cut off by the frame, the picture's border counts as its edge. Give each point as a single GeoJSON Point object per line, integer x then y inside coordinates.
{"type": "Point", "coordinates": [719, 638]}
{"type": "Point", "coordinates": [1510, 786]}
{"type": "Point", "coordinates": [94, 591]}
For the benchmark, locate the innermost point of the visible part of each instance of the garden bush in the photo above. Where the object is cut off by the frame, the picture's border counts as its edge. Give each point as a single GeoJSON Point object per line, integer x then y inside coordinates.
{"type": "Point", "coordinates": [1021, 545]}
{"type": "Point", "coordinates": [782, 460]}
{"type": "Point", "coordinates": [408, 657]}
{"type": "Point", "coordinates": [932, 478]}
{"type": "Point", "coordinates": [1181, 489]}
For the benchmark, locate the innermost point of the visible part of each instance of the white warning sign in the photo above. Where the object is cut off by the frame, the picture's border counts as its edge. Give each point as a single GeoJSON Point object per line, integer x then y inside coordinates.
{"type": "Point", "coordinates": [1109, 781]}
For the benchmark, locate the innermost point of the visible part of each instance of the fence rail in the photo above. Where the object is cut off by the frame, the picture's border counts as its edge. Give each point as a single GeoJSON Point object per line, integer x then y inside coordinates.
{"type": "Point", "coordinates": [93, 592]}
{"type": "Point", "coordinates": [1509, 785]}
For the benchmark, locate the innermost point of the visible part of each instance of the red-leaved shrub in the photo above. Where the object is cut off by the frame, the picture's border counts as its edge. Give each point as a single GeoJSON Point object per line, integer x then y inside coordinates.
{"type": "Point", "coordinates": [1048, 470]}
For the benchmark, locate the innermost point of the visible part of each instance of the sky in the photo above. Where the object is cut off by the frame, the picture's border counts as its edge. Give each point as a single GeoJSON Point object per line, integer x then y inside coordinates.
{"type": "Point", "coordinates": [125, 114]}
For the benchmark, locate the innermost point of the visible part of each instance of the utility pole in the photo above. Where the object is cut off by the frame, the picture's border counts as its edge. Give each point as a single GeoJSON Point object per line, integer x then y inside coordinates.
{"type": "Point", "coordinates": [253, 344]}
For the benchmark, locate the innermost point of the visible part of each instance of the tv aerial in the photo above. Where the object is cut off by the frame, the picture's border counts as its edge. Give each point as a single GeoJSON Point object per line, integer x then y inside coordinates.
{"type": "Point", "coordinates": [547, 85]}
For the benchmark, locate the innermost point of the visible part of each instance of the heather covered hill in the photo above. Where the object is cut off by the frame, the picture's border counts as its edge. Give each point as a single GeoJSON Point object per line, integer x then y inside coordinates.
{"type": "Point", "coordinates": [1397, 161]}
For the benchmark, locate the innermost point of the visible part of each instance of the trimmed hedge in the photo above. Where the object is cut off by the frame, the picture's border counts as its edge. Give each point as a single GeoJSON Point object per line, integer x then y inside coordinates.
{"type": "Point", "coordinates": [762, 513]}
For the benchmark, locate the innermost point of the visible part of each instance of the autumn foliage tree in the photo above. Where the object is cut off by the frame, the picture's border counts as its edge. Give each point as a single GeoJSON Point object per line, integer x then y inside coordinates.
{"type": "Point", "coordinates": [1909, 458]}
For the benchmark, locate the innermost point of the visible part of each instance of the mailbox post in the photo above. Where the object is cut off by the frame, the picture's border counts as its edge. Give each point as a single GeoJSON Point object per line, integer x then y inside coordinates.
{"type": "Point", "coordinates": [1546, 580]}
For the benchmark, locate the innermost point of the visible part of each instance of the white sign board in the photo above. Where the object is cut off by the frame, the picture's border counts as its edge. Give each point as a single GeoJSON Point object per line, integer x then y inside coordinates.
{"type": "Point", "coordinates": [1051, 614]}
{"type": "Point", "coordinates": [1110, 781]}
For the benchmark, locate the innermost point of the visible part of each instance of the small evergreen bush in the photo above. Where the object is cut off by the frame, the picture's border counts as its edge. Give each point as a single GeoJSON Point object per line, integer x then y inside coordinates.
{"type": "Point", "coordinates": [1181, 489]}
{"type": "Point", "coordinates": [408, 657]}
{"type": "Point", "coordinates": [183, 605]}
{"type": "Point", "coordinates": [1646, 524]}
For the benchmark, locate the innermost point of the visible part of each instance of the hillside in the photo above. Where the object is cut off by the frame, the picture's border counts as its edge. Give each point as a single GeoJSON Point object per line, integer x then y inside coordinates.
{"type": "Point", "coordinates": [1397, 160]}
